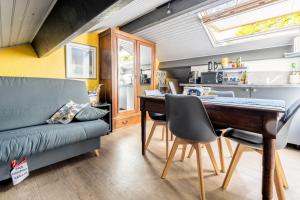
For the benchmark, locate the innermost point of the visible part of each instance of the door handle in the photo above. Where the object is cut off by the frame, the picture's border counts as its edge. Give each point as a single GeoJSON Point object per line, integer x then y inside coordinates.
{"type": "Point", "coordinates": [254, 90]}
{"type": "Point", "coordinates": [246, 90]}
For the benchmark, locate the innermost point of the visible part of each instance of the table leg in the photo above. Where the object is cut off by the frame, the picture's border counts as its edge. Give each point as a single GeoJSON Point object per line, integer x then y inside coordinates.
{"type": "Point", "coordinates": [268, 168]}
{"type": "Point", "coordinates": [269, 135]}
{"type": "Point", "coordinates": [143, 131]}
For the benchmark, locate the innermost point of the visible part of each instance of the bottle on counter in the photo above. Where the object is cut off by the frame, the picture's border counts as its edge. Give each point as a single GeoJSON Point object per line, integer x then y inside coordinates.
{"type": "Point", "coordinates": [244, 77]}
{"type": "Point", "coordinates": [239, 62]}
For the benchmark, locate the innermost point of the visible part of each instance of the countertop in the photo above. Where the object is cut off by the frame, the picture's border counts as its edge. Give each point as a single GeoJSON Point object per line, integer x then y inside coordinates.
{"type": "Point", "coordinates": [240, 85]}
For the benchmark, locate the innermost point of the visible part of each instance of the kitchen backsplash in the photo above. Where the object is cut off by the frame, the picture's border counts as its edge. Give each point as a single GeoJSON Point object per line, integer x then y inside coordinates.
{"type": "Point", "coordinates": [273, 71]}
{"type": "Point", "coordinates": [268, 77]}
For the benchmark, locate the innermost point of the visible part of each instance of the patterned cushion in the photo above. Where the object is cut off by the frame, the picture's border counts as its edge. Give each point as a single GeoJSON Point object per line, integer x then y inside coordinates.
{"type": "Point", "coordinates": [66, 113]}
{"type": "Point", "coordinates": [90, 113]}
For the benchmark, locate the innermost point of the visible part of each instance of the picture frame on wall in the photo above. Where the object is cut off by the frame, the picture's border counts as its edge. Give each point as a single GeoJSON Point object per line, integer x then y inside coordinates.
{"type": "Point", "coordinates": [80, 61]}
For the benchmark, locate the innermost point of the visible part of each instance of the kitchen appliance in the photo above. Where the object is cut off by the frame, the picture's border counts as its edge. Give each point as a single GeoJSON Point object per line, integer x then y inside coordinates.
{"type": "Point", "coordinates": [215, 77]}
{"type": "Point", "coordinates": [193, 76]}
{"type": "Point", "coordinates": [198, 81]}
{"type": "Point", "coordinates": [212, 66]}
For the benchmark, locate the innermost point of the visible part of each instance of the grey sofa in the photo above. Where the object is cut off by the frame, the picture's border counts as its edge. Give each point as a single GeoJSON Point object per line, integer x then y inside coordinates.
{"type": "Point", "coordinates": [25, 105]}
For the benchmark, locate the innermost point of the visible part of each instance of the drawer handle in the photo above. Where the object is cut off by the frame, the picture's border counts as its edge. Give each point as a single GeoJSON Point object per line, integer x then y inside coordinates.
{"type": "Point", "coordinates": [125, 122]}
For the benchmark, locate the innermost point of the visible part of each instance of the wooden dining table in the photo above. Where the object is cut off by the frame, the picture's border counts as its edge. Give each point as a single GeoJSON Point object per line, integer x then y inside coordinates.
{"type": "Point", "coordinates": [260, 119]}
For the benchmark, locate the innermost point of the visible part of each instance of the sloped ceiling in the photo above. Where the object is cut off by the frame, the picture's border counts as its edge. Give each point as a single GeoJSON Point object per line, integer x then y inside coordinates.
{"type": "Point", "coordinates": [184, 37]}
{"type": "Point", "coordinates": [20, 20]}
{"type": "Point", "coordinates": [130, 12]}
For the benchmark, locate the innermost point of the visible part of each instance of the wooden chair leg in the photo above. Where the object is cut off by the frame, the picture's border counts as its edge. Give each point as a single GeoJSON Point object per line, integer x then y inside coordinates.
{"type": "Point", "coordinates": [163, 133]}
{"type": "Point", "coordinates": [170, 158]}
{"type": "Point", "coordinates": [183, 152]}
{"type": "Point", "coordinates": [191, 151]}
{"type": "Point", "coordinates": [167, 142]}
{"type": "Point", "coordinates": [150, 135]}
{"type": "Point", "coordinates": [212, 158]}
{"type": "Point", "coordinates": [281, 171]}
{"type": "Point", "coordinates": [229, 146]}
{"type": "Point", "coordinates": [200, 171]}
{"type": "Point", "coordinates": [236, 157]}
{"type": "Point", "coordinates": [97, 152]}
{"type": "Point", "coordinates": [278, 181]}
{"type": "Point", "coordinates": [221, 154]}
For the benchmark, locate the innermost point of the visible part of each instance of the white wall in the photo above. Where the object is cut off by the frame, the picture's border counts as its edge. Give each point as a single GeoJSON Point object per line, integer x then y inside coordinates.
{"type": "Point", "coordinates": [279, 65]}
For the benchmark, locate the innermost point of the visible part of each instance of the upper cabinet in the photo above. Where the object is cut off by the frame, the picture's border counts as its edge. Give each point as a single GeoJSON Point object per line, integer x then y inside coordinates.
{"type": "Point", "coordinates": [127, 64]}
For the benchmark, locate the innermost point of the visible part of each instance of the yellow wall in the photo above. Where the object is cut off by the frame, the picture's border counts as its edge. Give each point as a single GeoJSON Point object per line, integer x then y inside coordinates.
{"type": "Point", "coordinates": [23, 62]}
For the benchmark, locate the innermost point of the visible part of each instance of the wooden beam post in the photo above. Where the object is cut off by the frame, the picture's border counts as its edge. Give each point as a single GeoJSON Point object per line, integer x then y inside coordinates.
{"type": "Point", "coordinates": [70, 18]}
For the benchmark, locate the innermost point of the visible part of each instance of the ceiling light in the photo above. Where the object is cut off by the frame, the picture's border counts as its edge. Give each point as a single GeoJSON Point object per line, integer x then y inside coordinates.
{"type": "Point", "coordinates": [169, 11]}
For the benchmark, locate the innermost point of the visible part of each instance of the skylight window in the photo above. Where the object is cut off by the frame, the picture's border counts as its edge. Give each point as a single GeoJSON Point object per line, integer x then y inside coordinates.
{"type": "Point", "coordinates": [245, 20]}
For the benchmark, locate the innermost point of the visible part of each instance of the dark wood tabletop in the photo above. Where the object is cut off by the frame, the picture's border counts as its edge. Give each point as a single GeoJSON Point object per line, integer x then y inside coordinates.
{"type": "Point", "coordinates": [260, 119]}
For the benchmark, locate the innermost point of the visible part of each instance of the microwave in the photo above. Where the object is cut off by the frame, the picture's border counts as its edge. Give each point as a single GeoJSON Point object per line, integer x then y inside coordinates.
{"type": "Point", "coordinates": [215, 77]}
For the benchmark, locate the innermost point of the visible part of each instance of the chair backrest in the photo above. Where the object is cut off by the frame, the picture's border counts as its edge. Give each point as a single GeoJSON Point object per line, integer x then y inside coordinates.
{"type": "Point", "coordinates": [222, 93]}
{"type": "Point", "coordinates": [285, 123]}
{"type": "Point", "coordinates": [188, 119]}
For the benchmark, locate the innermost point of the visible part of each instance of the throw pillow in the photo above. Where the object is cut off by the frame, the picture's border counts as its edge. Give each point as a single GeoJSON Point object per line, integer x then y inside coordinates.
{"type": "Point", "coordinates": [66, 113]}
{"type": "Point", "coordinates": [90, 113]}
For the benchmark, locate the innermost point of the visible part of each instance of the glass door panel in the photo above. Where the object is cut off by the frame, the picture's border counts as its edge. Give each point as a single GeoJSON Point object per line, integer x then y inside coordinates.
{"type": "Point", "coordinates": [145, 68]}
{"type": "Point", "coordinates": [126, 65]}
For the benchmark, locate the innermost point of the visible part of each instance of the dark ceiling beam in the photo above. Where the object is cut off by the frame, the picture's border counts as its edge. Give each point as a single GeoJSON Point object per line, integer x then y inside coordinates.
{"type": "Point", "coordinates": [70, 18]}
{"type": "Point", "coordinates": [178, 7]}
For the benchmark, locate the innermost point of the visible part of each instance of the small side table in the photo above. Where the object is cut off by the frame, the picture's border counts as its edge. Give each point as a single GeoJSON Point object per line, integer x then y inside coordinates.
{"type": "Point", "coordinates": [107, 118]}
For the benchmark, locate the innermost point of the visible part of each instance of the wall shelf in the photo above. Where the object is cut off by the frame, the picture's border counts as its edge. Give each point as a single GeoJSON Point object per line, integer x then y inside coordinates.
{"type": "Point", "coordinates": [238, 69]}
{"type": "Point", "coordinates": [292, 55]}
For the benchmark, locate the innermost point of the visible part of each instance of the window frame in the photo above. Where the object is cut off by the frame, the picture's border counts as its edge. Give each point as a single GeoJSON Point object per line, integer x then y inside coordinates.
{"type": "Point", "coordinates": [209, 29]}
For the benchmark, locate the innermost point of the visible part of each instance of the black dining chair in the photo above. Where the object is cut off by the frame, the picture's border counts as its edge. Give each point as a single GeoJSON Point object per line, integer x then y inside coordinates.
{"type": "Point", "coordinates": [219, 129]}
{"type": "Point", "coordinates": [158, 120]}
{"type": "Point", "coordinates": [249, 141]}
{"type": "Point", "coordinates": [189, 122]}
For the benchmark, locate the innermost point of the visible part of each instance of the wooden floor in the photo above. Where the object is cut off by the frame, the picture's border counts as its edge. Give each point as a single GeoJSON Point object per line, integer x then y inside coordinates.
{"type": "Point", "coordinates": [121, 172]}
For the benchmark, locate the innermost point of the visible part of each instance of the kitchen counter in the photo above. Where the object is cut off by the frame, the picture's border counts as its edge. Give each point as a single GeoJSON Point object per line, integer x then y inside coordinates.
{"type": "Point", "coordinates": [240, 85]}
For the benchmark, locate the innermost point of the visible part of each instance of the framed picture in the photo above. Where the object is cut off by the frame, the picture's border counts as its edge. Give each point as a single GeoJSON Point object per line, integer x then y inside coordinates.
{"type": "Point", "coordinates": [80, 61]}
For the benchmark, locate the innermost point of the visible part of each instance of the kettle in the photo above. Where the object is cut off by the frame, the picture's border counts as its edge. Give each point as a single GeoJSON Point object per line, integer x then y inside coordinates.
{"type": "Point", "coordinates": [193, 77]}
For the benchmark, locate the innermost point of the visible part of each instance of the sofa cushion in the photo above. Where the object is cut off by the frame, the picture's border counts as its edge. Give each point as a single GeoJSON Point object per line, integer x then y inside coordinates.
{"type": "Point", "coordinates": [31, 101]}
{"type": "Point", "coordinates": [90, 113]}
{"type": "Point", "coordinates": [66, 113]}
{"type": "Point", "coordinates": [15, 144]}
